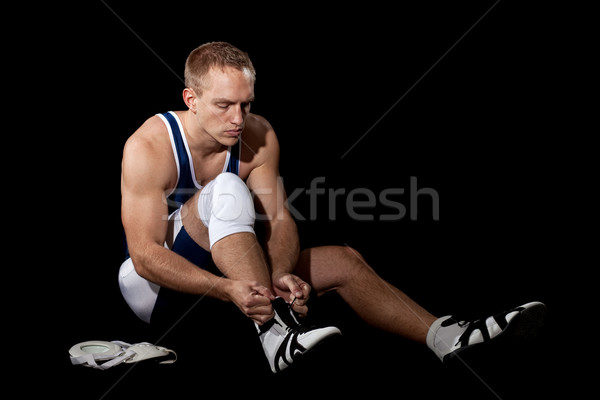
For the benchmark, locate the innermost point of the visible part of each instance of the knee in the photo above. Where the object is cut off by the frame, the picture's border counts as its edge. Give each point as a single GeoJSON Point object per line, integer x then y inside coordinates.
{"type": "Point", "coordinates": [227, 181]}
{"type": "Point", "coordinates": [226, 207]}
{"type": "Point", "coordinates": [351, 263]}
{"type": "Point", "coordinates": [353, 259]}
{"type": "Point", "coordinates": [231, 200]}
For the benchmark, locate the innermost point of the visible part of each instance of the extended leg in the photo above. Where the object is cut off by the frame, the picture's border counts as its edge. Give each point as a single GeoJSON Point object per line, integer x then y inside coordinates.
{"type": "Point", "coordinates": [374, 300]}
{"type": "Point", "coordinates": [385, 307]}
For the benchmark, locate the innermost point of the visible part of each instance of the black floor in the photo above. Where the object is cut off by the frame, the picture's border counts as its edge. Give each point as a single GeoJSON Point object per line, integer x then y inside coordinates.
{"type": "Point", "coordinates": [221, 356]}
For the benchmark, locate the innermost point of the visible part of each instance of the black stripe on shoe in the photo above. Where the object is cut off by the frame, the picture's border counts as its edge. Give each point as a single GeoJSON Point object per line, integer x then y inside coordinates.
{"type": "Point", "coordinates": [524, 325]}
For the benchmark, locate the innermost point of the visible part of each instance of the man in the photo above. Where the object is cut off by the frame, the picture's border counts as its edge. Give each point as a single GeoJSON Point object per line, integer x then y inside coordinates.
{"type": "Point", "coordinates": [203, 164]}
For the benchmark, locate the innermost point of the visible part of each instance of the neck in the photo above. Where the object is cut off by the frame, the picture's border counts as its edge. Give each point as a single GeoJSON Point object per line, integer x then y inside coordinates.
{"type": "Point", "coordinates": [200, 142]}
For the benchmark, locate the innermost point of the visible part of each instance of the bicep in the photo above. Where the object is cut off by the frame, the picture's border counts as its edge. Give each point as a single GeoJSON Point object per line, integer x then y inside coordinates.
{"type": "Point", "coordinates": [144, 216]}
{"type": "Point", "coordinates": [144, 210]}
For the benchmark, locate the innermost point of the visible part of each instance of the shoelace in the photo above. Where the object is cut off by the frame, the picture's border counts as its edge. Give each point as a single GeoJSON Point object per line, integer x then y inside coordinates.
{"type": "Point", "coordinates": [287, 315]}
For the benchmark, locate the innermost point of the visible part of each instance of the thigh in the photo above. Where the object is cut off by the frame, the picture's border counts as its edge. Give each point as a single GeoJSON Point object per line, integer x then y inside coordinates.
{"type": "Point", "coordinates": [139, 293]}
{"type": "Point", "coordinates": [171, 305]}
{"type": "Point", "coordinates": [190, 218]}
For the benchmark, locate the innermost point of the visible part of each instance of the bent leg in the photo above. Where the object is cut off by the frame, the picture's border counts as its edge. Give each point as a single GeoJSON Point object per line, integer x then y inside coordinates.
{"type": "Point", "coordinates": [220, 218]}
{"type": "Point", "coordinates": [374, 300]}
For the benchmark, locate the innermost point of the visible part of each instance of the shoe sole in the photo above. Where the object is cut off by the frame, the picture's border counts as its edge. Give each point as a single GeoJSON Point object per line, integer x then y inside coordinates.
{"type": "Point", "coordinates": [524, 327]}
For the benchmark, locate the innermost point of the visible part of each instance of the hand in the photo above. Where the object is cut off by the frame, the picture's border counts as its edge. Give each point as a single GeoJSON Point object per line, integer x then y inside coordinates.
{"type": "Point", "coordinates": [252, 299]}
{"type": "Point", "coordinates": [294, 290]}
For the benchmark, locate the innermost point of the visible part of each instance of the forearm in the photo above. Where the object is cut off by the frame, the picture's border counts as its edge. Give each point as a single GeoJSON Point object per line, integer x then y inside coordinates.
{"type": "Point", "coordinates": [168, 269]}
{"type": "Point", "coordinates": [282, 246]}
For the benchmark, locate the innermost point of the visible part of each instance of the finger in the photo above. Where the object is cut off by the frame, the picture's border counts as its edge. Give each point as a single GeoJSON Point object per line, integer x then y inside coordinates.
{"type": "Point", "coordinates": [306, 289]}
{"type": "Point", "coordinates": [301, 309]}
{"type": "Point", "coordinates": [299, 302]}
{"type": "Point", "coordinates": [260, 318]}
{"type": "Point", "coordinates": [294, 286]}
{"type": "Point", "coordinates": [265, 311]}
{"type": "Point", "coordinates": [261, 314]}
{"type": "Point", "coordinates": [303, 298]}
{"type": "Point", "coordinates": [256, 300]}
{"type": "Point", "coordinates": [263, 291]}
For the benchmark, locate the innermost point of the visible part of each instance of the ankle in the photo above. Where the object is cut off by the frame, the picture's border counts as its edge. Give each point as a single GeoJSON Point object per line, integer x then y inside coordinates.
{"type": "Point", "coordinates": [436, 343]}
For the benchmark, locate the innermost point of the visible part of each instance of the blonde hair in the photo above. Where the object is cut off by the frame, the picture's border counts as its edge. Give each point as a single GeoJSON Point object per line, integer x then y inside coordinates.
{"type": "Point", "coordinates": [214, 54]}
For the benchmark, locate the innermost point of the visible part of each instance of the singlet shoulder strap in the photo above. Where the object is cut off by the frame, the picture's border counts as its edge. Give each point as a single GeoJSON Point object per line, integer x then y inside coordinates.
{"type": "Point", "coordinates": [185, 177]}
{"type": "Point", "coordinates": [185, 170]}
{"type": "Point", "coordinates": [235, 152]}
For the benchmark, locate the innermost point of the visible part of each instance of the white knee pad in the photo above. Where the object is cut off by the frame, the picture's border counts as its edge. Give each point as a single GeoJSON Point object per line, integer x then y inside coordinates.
{"type": "Point", "coordinates": [225, 206]}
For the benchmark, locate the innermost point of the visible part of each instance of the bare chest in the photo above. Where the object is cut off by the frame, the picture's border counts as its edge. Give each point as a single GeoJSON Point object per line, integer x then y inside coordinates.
{"type": "Point", "coordinates": [206, 169]}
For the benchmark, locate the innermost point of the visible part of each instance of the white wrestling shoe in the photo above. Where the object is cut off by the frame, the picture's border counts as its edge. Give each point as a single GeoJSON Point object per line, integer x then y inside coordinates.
{"type": "Point", "coordinates": [284, 339]}
{"type": "Point", "coordinates": [448, 338]}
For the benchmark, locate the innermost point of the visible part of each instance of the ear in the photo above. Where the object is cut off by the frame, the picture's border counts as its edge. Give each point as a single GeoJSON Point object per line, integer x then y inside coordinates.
{"type": "Point", "coordinates": [190, 99]}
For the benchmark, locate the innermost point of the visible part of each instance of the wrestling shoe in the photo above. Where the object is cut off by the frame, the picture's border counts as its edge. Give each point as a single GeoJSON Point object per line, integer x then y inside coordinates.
{"type": "Point", "coordinates": [448, 338]}
{"type": "Point", "coordinates": [284, 339]}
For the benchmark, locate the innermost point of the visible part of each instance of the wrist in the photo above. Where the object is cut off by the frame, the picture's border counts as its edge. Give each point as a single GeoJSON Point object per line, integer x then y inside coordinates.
{"type": "Point", "coordinates": [276, 277]}
{"type": "Point", "coordinates": [222, 289]}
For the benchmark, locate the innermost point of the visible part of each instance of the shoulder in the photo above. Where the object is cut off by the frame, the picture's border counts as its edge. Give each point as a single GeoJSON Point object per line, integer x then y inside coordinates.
{"type": "Point", "coordinates": [260, 139]}
{"type": "Point", "coordinates": [258, 122]}
{"type": "Point", "coordinates": [148, 137]}
{"type": "Point", "coordinates": [148, 155]}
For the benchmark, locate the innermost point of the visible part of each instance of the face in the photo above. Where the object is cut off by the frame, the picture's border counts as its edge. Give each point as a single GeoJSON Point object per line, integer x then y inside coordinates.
{"type": "Point", "coordinates": [222, 108]}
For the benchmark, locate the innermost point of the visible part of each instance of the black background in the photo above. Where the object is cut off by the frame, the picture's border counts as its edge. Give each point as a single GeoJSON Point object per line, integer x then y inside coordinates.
{"type": "Point", "coordinates": [366, 96]}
